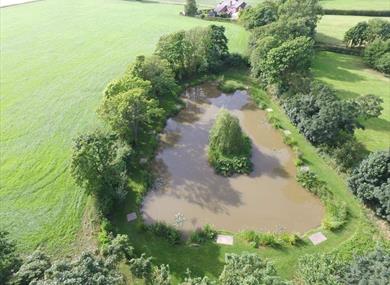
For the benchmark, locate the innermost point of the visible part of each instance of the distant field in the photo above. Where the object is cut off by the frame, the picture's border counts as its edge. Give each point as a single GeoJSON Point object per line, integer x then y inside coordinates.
{"type": "Point", "coordinates": [56, 58]}
{"type": "Point", "coordinates": [331, 28]}
{"type": "Point", "coordinates": [356, 4]}
{"type": "Point", "coordinates": [351, 78]}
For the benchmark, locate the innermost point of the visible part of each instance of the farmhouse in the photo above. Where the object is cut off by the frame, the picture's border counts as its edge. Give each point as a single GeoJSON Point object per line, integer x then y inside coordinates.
{"type": "Point", "coordinates": [230, 8]}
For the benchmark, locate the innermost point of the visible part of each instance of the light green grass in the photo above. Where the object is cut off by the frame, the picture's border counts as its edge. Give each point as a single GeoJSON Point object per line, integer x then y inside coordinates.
{"type": "Point", "coordinates": [331, 28]}
{"type": "Point", "coordinates": [356, 4]}
{"type": "Point", "coordinates": [56, 58]}
{"type": "Point", "coordinates": [351, 78]}
{"type": "Point", "coordinates": [209, 258]}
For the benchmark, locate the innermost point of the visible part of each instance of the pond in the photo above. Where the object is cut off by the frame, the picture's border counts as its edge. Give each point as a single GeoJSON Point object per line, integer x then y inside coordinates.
{"type": "Point", "coordinates": [269, 199]}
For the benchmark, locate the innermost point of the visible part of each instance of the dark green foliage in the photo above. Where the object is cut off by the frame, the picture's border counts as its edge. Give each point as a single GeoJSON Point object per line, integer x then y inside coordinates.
{"type": "Point", "coordinates": [189, 280]}
{"type": "Point", "coordinates": [370, 13]}
{"type": "Point", "coordinates": [165, 231]}
{"type": "Point", "coordinates": [141, 267]}
{"type": "Point", "coordinates": [194, 51]}
{"type": "Point", "coordinates": [190, 8]}
{"type": "Point", "coordinates": [370, 106]}
{"type": "Point", "coordinates": [229, 148]}
{"type": "Point", "coordinates": [370, 182]}
{"type": "Point", "coordinates": [161, 275]}
{"type": "Point", "coordinates": [310, 181]}
{"type": "Point", "coordinates": [319, 269]}
{"type": "Point", "coordinates": [357, 35]}
{"type": "Point", "coordinates": [9, 260]}
{"type": "Point", "coordinates": [203, 235]}
{"type": "Point", "coordinates": [364, 33]}
{"type": "Point", "coordinates": [86, 270]}
{"type": "Point", "coordinates": [371, 268]}
{"type": "Point", "coordinates": [98, 166]}
{"type": "Point", "coordinates": [32, 269]}
{"type": "Point", "coordinates": [374, 52]}
{"type": "Point", "coordinates": [131, 114]}
{"type": "Point", "coordinates": [249, 269]}
{"type": "Point", "coordinates": [321, 117]}
{"type": "Point", "coordinates": [158, 72]}
{"type": "Point", "coordinates": [116, 250]}
{"type": "Point", "coordinates": [383, 63]}
{"type": "Point", "coordinates": [348, 154]}
{"type": "Point", "coordinates": [260, 15]}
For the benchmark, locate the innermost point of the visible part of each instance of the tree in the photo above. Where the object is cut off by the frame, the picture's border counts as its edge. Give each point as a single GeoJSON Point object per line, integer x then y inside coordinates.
{"type": "Point", "coordinates": [290, 57]}
{"type": "Point", "coordinates": [357, 36]}
{"type": "Point", "coordinates": [248, 269]}
{"type": "Point", "coordinates": [370, 106]}
{"type": "Point", "coordinates": [117, 249]}
{"type": "Point", "coordinates": [371, 268]}
{"type": "Point", "coordinates": [131, 114]}
{"type": "Point", "coordinates": [86, 270]}
{"type": "Point", "coordinates": [319, 269]}
{"type": "Point", "coordinates": [189, 280]}
{"type": "Point", "coordinates": [260, 15]}
{"type": "Point", "coordinates": [383, 63]}
{"type": "Point", "coordinates": [97, 167]}
{"type": "Point", "coordinates": [161, 275]}
{"type": "Point", "coordinates": [375, 50]}
{"type": "Point", "coordinates": [33, 268]}
{"type": "Point", "coordinates": [370, 182]}
{"type": "Point", "coordinates": [378, 29]}
{"type": "Point", "coordinates": [158, 72]}
{"type": "Point", "coordinates": [125, 84]}
{"type": "Point", "coordinates": [141, 267]}
{"type": "Point", "coordinates": [190, 8]}
{"type": "Point", "coordinates": [9, 260]}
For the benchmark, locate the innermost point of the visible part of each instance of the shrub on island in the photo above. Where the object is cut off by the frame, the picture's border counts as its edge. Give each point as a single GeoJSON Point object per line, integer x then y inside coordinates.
{"type": "Point", "coordinates": [229, 148]}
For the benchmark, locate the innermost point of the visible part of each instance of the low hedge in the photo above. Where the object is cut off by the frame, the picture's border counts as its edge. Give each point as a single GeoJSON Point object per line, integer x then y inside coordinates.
{"type": "Point", "coordinates": [371, 13]}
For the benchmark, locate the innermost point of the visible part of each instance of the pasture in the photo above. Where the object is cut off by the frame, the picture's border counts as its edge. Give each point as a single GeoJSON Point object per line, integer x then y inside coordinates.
{"type": "Point", "coordinates": [56, 58]}
{"type": "Point", "coordinates": [331, 28]}
{"type": "Point", "coordinates": [356, 4]}
{"type": "Point", "coordinates": [350, 77]}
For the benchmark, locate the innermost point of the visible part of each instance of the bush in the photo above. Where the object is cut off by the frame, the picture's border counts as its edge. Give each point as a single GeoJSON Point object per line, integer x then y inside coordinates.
{"type": "Point", "coordinates": [9, 260]}
{"type": "Point", "coordinates": [203, 235]}
{"type": "Point", "coordinates": [348, 154]}
{"type": "Point", "coordinates": [370, 182]}
{"type": "Point", "coordinates": [141, 267]}
{"type": "Point", "coordinates": [377, 54]}
{"type": "Point", "coordinates": [310, 181]}
{"type": "Point", "coordinates": [229, 148]}
{"type": "Point", "coordinates": [165, 231]}
{"type": "Point", "coordinates": [257, 239]}
{"type": "Point", "coordinates": [383, 63]}
{"type": "Point", "coordinates": [32, 269]}
{"type": "Point", "coordinates": [336, 215]}
{"type": "Point", "coordinates": [229, 86]}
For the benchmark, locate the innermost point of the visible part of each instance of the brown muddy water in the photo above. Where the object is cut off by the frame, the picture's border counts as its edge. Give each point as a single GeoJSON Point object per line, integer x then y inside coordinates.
{"type": "Point", "coordinates": [269, 199]}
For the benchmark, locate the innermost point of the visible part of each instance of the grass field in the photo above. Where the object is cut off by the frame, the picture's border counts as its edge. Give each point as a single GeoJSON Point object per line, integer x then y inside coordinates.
{"type": "Point", "coordinates": [208, 259]}
{"type": "Point", "coordinates": [351, 77]}
{"type": "Point", "coordinates": [56, 58]}
{"type": "Point", "coordinates": [331, 28]}
{"type": "Point", "coordinates": [356, 4]}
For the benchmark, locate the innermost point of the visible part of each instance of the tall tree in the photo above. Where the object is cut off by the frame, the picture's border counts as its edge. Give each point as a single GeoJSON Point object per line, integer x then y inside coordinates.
{"type": "Point", "coordinates": [190, 8]}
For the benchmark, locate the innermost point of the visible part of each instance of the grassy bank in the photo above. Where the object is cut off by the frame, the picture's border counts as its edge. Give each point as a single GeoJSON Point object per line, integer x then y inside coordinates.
{"type": "Point", "coordinates": [56, 58]}
{"type": "Point", "coordinates": [350, 77]}
{"type": "Point", "coordinates": [356, 4]}
{"type": "Point", "coordinates": [208, 259]}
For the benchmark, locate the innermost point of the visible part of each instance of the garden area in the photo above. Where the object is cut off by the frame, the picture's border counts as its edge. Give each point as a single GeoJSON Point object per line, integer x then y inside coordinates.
{"type": "Point", "coordinates": [161, 149]}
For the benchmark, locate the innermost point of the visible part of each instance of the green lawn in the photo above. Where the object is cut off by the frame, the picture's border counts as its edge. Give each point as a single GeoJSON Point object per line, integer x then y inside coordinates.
{"type": "Point", "coordinates": [331, 28]}
{"type": "Point", "coordinates": [56, 58]}
{"type": "Point", "coordinates": [356, 4]}
{"type": "Point", "coordinates": [351, 77]}
{"type": "Point", "coordinates": [208, 259]}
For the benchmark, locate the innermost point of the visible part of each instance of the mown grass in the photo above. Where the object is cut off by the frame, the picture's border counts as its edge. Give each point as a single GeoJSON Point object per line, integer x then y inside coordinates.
{"type": "Point", "coordinates": [331, 28]}
{"type": "Point", "coordinates": [208, 259]}
{"type": "Point", "coordinates": [56, 58]}
{"type": "Point", "coordinates": [350, 77]}
{"type": "Point", "coordinates": [356, 4]}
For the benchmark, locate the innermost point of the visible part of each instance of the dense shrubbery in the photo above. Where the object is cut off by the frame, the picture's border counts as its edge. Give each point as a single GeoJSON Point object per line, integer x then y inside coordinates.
{"type": "Point", "coordinates": [281, 43]}
{"type": "Point", "coordinates": [374, 35]}
{"type": "Point", "coordinates": [257, 239]}
{"type": "Point", "coordinates": [9, 260]}
{"type": "Point", "coordinates": [249, 269]}
{"type": "Point", "coordinates": [195, 51]}
{"type": "Point", "coordinates": [165, 231]}
{"type": "Point", "coordinates": [229, 148]}
{"type": "Point", "coordinates": [370, 268]}
{"type": "Point", "coordinates": [370, 182]}
{"type": "Point", "coordinates": [203, 235]}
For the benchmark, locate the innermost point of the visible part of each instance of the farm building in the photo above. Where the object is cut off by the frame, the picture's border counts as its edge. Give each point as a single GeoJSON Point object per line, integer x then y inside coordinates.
{"type": "Point", "coordinates": [230, 8]}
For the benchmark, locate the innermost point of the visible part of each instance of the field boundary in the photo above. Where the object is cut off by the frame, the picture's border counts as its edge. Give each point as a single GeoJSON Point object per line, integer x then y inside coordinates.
{"type": "Point", "coordinates": [370, 13]}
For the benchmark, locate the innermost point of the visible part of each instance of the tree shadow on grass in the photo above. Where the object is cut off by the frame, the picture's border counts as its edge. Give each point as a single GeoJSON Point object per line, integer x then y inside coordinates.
{"type": "Point", "coordinates": [377, 124]}
{"type": "Point", "coordinates": [325, 39]}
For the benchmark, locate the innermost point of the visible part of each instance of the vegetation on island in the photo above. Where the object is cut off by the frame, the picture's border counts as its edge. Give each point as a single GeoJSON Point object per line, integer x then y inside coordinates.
{"type": "Point", "coordinates": [229, 150]}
